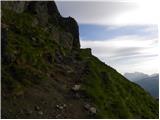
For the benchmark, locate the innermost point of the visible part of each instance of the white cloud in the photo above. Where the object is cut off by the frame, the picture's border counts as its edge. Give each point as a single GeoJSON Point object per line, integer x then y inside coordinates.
{"type": "Point", "coordinates": [93, 12]}
{"type": "Point", "coordinates": [146, 12]}
{"type": "Point", "coordinates": [112, 12]}
{"type": "Point", "coordinates": [126, 53]}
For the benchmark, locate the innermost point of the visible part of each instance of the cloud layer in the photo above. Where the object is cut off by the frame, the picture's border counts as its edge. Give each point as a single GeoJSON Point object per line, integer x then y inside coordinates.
{"type": "Point", "coordinates": [107, 12]}
{"type": "Point", "coordinates": [127, 53]}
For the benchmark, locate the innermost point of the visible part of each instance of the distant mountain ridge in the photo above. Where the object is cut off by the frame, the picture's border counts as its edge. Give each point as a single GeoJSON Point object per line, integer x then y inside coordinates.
{"type": "Point", "coordinates": [149, 82]}
{"type": "Point", "coordinates": [135, 76]}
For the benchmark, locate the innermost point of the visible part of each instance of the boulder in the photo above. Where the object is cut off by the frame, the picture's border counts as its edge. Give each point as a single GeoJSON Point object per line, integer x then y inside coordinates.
{"type": "Point", "coordinates": [40, 113]}
{"type": "Point", "coordinates": [90, 108]}
{"type": "Point", "coordinates": [87, 106]}
{"type": "Point", "coordinates": [76, 87]}
{"type": "Point", "coordinates": [61, 106]}
{"type": "Point", "coordinates": [93, 110]}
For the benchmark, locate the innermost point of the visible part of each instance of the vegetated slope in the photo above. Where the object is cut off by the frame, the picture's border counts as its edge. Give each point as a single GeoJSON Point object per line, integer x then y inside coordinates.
{"type": "Point", "coordinates": [45, 74]}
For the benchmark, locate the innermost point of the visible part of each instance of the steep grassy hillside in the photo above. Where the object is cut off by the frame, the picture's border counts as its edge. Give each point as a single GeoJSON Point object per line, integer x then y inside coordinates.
{"type": "Point", "coordinates": [45, 74]}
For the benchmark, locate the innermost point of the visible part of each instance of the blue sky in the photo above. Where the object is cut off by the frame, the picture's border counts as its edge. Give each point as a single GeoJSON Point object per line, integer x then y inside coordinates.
{"type": "Point", "coordinates": [122, 34]}
{"type": "Point", "coordinates": [104, 32]}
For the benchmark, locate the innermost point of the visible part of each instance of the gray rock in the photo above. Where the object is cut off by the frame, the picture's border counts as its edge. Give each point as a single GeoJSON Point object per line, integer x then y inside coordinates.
{"type": "Point", "coordinates": [93, 110]}
{"type": "Point", "coordinates": [40, 113]}
{"type": "Point", "coordinates": [87, 106]}
{"type": "Point", "coordinates": [61, 107]}
{"type": "Point", "coordinates": [76, 87]}
{"type": "Point", "coordinates": [64, 105]}
{"type": "Point", "coordinates": [33, 38]}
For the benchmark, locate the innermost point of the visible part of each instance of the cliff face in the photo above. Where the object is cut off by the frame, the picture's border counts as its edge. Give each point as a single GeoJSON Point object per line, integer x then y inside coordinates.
{"type": "Point", "coordinates": [63, 31]}
{"type": "Point", "coordinates": [45, 74]}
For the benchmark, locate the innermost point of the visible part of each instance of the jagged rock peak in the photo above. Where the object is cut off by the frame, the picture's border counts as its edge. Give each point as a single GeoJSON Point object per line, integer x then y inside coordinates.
{"type": "Point", "coordinates": [32, 6]}
{"type": "Point", "coordinates": [47, 15]}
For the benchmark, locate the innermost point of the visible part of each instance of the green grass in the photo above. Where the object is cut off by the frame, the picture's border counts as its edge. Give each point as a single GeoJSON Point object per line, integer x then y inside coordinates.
{"type": "Point", "coordinates": [26, 50]}
{"type": "Point", "coordinates": [116, 97]}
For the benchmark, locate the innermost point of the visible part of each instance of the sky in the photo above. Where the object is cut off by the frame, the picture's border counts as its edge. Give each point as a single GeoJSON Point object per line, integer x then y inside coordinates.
{"type": "Point", "coordinates": [122, 34]}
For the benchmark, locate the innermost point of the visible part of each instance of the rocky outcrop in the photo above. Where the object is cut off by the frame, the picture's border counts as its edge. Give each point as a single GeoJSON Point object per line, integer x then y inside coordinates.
{"type": "Point", "coordinates": [47, 15]}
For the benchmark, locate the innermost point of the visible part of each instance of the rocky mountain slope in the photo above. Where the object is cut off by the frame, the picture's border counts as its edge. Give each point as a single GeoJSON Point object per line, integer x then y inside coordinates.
{"type": "Point", "coordinates": [45, 74]}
